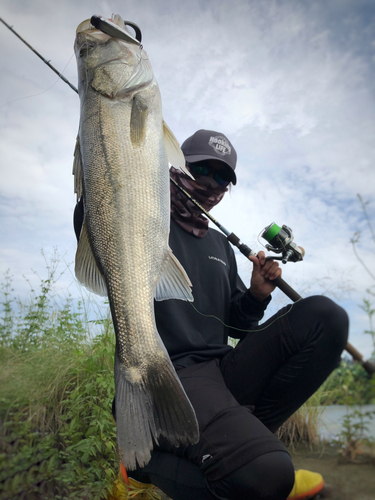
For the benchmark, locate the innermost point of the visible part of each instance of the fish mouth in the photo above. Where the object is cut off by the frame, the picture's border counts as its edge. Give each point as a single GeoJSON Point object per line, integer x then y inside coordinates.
{"type": "Point", "coordinates": [111, 27]}
{"type": "Point", "coordinates": [100, 31]}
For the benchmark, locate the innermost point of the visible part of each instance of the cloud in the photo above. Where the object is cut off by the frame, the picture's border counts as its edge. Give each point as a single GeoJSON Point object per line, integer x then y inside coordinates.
{"type": "Point", "coordinates": [289, 82]}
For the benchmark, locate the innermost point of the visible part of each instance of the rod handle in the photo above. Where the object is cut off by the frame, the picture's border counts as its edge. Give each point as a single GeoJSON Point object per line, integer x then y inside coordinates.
{"type": "Point", "coordinates": [293, 295]}
{"type": "Point", "coordinates": [367, 365]}
{"type": "Point", "coordinates": [287, 289]}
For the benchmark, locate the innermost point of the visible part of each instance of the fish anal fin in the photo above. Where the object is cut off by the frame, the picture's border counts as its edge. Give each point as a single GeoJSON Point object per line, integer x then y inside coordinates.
{"type": "Point", "coordinates": [138, 120]}
{"type": "Point", "coordinates": [77, 170]}
{"type": "Point", "coordinates": [175, 156]}
{"type": "Point", "coordinates": [148, 405]}
{"type": "Point", "coordinates": [86, 268]}
{"type": "Point", "coordinates": [174, 283]}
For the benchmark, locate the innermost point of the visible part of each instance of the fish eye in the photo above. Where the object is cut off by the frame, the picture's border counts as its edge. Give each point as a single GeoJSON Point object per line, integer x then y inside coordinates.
{"type": "Point", "coordinates": [86, 47]}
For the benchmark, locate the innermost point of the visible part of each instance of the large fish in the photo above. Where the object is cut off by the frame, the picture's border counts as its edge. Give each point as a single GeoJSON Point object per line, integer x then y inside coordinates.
{"type": "Point", "coordinates": [121, 170]}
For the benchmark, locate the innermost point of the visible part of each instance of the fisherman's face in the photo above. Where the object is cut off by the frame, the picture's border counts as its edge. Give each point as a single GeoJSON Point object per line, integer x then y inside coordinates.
{"type": "Point", "coordinates": [211, 168]}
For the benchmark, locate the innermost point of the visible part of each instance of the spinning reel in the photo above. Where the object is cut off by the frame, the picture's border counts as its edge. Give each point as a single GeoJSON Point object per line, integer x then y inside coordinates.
{"type": "Point", "coordinates": [280, 240]}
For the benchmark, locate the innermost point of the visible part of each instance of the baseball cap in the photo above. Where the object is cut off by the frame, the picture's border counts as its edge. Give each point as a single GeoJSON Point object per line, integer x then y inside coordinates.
{"type": "Point", "coordinates": [210, 145]}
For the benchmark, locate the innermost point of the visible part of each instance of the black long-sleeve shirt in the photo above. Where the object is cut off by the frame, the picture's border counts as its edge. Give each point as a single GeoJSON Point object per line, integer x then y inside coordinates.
{"type": "Point", "coordinates": [199, 331]}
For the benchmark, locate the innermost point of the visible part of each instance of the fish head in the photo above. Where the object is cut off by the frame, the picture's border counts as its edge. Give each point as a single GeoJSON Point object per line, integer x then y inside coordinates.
{"type": "Point", "coordinates": [110, 65]}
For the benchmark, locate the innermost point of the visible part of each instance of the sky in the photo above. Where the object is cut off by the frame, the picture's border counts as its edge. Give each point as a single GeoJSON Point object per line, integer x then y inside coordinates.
{"type": "Point", "coordinates": [289, 82]}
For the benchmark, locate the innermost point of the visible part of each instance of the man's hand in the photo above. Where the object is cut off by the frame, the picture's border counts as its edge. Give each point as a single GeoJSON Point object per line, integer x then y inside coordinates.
{"type": "Point", "coordinates": [264, 272]}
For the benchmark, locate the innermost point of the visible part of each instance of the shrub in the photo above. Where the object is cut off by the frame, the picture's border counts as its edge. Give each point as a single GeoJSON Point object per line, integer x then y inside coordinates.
{"type": "Point", "coordinates": [57, 434]}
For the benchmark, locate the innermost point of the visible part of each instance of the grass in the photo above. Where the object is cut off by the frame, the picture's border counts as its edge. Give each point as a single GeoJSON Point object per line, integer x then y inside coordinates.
{"type": "Point", "coordinates": [302, 426]}
{"type": "Point", "coordinates": [57, 434]}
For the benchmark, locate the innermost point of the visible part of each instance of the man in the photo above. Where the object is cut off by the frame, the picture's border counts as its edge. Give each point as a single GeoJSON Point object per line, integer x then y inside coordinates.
{"type": "Point", "coordinates": [241, 395]}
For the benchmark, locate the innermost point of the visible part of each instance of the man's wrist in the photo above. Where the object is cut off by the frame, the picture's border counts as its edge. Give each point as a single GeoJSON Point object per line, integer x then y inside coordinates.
{"type": "Point", "coordinates": [260, 297]}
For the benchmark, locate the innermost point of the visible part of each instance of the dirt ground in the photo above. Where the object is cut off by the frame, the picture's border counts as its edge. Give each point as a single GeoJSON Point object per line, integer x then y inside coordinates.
{"type": "Point", "coordinates": [344, 481]}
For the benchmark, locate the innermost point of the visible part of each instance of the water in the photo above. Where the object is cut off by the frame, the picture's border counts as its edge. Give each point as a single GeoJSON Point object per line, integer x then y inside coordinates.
{"type": "Point", "coordinates": [332, 417]}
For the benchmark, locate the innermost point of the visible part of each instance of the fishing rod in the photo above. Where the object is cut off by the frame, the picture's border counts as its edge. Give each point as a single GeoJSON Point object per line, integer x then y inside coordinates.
{"type": "Point", "coordinates": [280, 240]}
{"type": "Point", "coordinates": [98, 22]}
{"type": "Point", "coordinates": [41, 57]}
{"type": "Point", "coordinates": [244, 249]}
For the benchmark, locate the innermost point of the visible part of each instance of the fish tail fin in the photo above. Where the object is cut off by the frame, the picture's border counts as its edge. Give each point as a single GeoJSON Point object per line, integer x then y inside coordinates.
{"type": "Point", "coordinates": [150, 405]}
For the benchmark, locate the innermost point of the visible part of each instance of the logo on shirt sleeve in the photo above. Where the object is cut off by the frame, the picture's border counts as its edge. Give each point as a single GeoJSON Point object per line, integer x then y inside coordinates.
{"type": "Point", "coordinates": [211, 257]}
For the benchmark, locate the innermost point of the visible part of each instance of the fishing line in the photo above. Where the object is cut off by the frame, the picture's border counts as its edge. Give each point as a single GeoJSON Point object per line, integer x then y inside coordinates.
{"type": "Point", "coordinates": [39, 93]}
{"type": "Point", "coordinates": [283, 245]}
{"type": "Point", "coordinates": [241, 329]}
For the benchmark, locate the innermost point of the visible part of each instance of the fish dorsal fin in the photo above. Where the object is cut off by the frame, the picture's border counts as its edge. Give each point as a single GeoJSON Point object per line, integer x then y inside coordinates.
{"type": "Point", "coordinates": [138, 120]}
{"type": "Point", "coordinates": [174, 283]}
{"type": "Point", "coordinates": [86, 268]}
{"type": "Point", "coordinates": [175, 155]}
{"type": "Point", "coordinates": [77, 170]}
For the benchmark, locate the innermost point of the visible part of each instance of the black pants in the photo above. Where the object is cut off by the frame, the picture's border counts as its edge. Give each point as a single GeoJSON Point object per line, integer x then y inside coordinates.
{"type": "Point", "coordinates": [241, 400]}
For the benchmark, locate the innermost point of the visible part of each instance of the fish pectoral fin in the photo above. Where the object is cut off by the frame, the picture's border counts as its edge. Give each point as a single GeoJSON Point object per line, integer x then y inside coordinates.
{"type": "Point", "coordinates": [175, 156]}
{"type": "Point", "coordinates": [86, 268]}
{"type": "Point", "coordinates": [77, 170]}
{"type": "Point", "coordinates": [138, 120]}
{"type": "Point", "coordinates": [174, 283]}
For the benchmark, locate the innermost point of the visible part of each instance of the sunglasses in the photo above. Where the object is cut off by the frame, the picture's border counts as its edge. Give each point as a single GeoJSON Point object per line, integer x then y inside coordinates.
{"type": "Point", "coordinates": [201, 168]}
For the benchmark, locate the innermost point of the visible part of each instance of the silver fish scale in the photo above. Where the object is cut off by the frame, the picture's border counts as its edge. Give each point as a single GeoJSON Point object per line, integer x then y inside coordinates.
{"type": "Point", "coordinates": [125, 190]}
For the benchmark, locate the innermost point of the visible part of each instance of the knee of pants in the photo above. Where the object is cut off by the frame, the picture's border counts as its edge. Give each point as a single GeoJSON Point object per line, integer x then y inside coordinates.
{"type": "Point", "coordinates": [333, 318]}
{"type": "Point", "coordinates": [269, 476]}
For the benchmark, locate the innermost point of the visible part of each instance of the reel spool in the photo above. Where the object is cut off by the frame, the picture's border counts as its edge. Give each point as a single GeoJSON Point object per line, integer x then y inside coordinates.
{"type": "Point", "coordinates": [280, 240]}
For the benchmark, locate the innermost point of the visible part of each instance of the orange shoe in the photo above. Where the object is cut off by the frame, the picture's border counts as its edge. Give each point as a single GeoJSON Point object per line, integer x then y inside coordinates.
{"type": "Point", "coordinates": [306, 485]}
{"type": "Point", "coordinates": [126, 488]}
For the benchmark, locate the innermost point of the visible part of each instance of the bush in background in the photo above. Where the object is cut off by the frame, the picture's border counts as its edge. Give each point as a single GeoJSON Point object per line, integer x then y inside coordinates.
{"type": "Point", "coordinates": [349, 385]}
{"type": "Point", "coordinates": [57, 434]}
